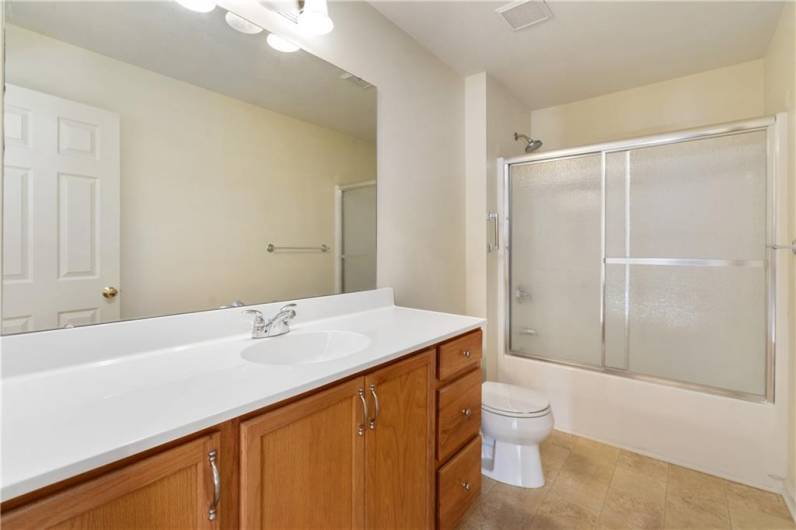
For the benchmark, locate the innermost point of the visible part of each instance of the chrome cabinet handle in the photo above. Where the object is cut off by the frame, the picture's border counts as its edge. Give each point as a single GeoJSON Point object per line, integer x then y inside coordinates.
{"type": "Point", "coordinates": [465, 485]}
{"type": "Point", "coordinates": [372, 422]}
{"type": "Point", "coordinates": [466, 354]}
{"type": "Point", "coordinates": [467, 413]}
{"type": "Point", "coordinates": [213, 511]}
{"type": "Point", "coordinates": [361, 426]}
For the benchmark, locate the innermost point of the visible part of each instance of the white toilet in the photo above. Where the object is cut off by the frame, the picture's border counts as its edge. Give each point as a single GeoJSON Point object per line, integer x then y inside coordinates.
{"type": "Point", "coordinates": [514, 421]}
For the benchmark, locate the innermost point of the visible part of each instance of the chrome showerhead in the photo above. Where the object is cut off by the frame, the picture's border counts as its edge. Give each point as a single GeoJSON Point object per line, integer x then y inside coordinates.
{"type": "Point", "coordinates": [531, 144]}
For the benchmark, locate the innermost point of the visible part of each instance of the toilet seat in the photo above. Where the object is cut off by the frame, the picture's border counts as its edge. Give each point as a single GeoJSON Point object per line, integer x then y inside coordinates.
{"type": "Point", "coordinates": [513, 401]}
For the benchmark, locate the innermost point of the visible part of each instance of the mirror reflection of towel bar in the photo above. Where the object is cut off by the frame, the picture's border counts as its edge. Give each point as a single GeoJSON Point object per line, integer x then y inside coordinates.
{"type": "Point", "coordinates": [273, 248]}
{"type": "Point", "coordinates": [791, 247]}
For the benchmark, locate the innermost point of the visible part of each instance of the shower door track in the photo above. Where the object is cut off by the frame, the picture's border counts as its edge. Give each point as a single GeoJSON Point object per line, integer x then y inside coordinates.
{"type": "Point", "coordinates": [769, 124]}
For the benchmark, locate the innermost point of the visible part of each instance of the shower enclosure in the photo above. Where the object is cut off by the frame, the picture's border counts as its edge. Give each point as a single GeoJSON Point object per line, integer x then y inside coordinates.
{"type": "Point", "coordinates": [648, 258]}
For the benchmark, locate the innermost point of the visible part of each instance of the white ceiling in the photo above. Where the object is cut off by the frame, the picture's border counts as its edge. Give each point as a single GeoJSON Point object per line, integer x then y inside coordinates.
{"type": "Point", "coordinates": [588, 48]}
{"type": "Point", "coordinates": [202, 50]}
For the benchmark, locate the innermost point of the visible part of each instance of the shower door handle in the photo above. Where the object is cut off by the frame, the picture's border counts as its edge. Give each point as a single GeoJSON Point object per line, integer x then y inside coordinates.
{"type": "Point", "coordinates": [495, 244]}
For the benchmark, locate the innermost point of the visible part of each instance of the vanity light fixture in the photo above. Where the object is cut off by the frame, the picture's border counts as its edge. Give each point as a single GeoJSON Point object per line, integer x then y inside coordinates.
{"type": "Point", "coordinates": [200, 6]}
{"type": "Point", "coordinates": [314, 18]}
{"type": "Point", "coordinates": [281, 44]}
{"type": "Point", "coordinates": [241, 24]}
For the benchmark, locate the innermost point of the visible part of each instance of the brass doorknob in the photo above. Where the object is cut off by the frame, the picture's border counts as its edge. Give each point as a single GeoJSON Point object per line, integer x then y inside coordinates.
{"type": "Point", "coordinates": [110, 292]}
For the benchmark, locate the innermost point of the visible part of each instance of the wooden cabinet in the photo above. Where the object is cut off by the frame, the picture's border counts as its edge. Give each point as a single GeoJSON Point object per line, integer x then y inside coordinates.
{"type": "Point", "coordinates": [459, 484]}
{"type": "Point", "coordinates": [363, 453]}
{"type": "Point", "coordinates": [458, 447]}
{"type": "Point", "coordinates": [173, 489]}
{"type": "Point", "coordinates": [322, 462]}
{"type": "Point", "coordinates": [399, 469]}
{"type": "Point", "coordinates": [302, 464]}
{"type": "Point", "coordinates": [459, 413]}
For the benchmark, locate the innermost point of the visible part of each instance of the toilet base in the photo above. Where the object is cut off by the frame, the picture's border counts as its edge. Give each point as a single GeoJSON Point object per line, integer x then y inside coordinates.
{"type": "Point", "coordinates": [513, 464]}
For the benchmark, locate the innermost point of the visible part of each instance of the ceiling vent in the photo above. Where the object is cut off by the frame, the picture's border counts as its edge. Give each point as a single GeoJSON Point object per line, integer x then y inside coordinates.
{"type": "Point", "coordinates": [525, 13]}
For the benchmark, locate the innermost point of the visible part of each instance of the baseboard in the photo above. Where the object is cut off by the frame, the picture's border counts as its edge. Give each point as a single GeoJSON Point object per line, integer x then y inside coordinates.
{"type": "Point", "coordinates": [790, 500]}
{"type": "Point", "coordinates": [778, 489]}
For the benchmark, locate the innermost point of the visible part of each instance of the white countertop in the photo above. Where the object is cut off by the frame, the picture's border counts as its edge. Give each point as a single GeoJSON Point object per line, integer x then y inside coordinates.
{"type": "Point", "coordinates": [62, 422]}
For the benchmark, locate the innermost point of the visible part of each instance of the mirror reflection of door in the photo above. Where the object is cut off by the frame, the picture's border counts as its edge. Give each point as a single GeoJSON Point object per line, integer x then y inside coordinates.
{"type": "Point", "coordinates": [60, 213]}
{"type": "Point", "coordinates": [356, 237]}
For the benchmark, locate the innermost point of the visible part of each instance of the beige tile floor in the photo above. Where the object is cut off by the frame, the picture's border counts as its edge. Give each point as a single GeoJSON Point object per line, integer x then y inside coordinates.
{"type": "Point", "coordinates": [591, 485]}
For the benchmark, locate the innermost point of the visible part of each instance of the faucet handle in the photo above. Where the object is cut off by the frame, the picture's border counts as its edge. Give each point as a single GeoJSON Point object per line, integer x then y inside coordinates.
{"type": "Point", "coordinates": [288, 308]}
{"type": "Point", "coordinates": [258, 316]}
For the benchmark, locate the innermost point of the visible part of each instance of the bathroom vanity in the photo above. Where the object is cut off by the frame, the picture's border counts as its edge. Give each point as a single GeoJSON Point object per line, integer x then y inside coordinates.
{"type": "Point", "coordinates": [381, 433]}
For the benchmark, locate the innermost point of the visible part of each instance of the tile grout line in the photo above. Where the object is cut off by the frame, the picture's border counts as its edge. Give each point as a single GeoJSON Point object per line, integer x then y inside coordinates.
{"type": "Point", "coordinates": [608, 489]}
{"type": "Point", "coordinates": [666, 494]}
{"type": "Point", "coordinates": [727, 504]}
{"type": "Point", "coordinates": [552, 483]}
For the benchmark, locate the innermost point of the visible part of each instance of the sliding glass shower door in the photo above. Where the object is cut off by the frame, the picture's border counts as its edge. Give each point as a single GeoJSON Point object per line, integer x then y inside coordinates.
{"type": "Point", "coordinates": [648, 260]}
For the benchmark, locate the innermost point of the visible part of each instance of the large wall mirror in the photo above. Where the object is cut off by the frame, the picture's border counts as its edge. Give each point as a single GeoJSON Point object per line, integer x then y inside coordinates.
{"type": "Point", "coordinates": [158, 161]}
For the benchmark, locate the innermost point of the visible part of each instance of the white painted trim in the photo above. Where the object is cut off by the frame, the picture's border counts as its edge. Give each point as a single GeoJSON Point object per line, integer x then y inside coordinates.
{"type": "Point", "coordinates": [338, 239]}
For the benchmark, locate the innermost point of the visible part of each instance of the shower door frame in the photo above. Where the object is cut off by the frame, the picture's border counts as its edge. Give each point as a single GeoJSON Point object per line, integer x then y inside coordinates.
{"type": "Point", "coordinates": [775, 133]}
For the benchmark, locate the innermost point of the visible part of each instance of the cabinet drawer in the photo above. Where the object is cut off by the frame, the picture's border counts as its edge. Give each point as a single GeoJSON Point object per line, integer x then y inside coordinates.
{"type": "Point", "coordinates": [459, 413]}
{"type": "Point", "coordinates": [459, 484]}
{"type": "Point", "coordinates": [459, 355]}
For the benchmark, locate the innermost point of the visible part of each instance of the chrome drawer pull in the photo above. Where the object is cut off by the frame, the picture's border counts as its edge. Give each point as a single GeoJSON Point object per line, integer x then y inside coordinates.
{"type": "Point", "coordinates": [467, 413]}
{"type": "Point", "coordinates": [465, 485]}
{"type": "Point", "coordinates": [213, 458]}
{"type": "Point", "coordinates": [361, 426]}
{"type": "Point", "coordinates": [466, 354]}
{"type": "Point", "coordinates": [372, 423]}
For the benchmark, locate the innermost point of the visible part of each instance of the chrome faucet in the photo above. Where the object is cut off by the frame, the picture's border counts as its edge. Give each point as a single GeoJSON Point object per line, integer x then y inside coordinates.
{"type": "Point", "coordinates": [279, 324]}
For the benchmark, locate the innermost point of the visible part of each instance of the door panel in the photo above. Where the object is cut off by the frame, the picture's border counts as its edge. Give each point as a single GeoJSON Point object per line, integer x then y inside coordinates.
{"type": "Point", "coordinates": [399, 446]}
{"type": "Point", "coordinates": [170, 490]}
{"type": "Point", "coordinates": [301, 464]}
{"type": "Point", "coordinates": [60, 212]}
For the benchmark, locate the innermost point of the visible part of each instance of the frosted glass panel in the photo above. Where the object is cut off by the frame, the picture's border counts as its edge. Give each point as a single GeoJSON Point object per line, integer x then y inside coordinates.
{"type": "Point", "coordinates": [703, 325]}
{"type": "Point", "coordinates": [359, 239]}
{"type": "Point", "coordinates": [555, 257]}
{"type": "Point", "coordinates": [697, 199]}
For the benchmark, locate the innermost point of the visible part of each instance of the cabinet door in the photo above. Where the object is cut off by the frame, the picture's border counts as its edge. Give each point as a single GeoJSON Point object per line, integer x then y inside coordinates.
{"type": "Point", "coordinates": [399, 448]}
{"type": "Point", "coordinates": [173, 489]}
{"type": "Point", "coordinates": [302, 464]}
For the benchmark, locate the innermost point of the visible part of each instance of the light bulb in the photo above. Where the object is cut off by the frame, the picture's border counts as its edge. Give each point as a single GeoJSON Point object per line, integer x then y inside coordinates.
{"type": "Point", "coordinates": [241, 24]}
{"type": "Point", "coordinates": [314, 18]}
{"type": "Point", "coordinates": [200, 6]}
{"type": "Point", "coordinates": [281, 44]}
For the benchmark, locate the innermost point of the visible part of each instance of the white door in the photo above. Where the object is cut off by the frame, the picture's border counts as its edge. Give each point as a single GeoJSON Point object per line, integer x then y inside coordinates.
{"type": "Point", "coordinates": [60, 212]}
{"type": "Point", "coordinates": [357, 237]}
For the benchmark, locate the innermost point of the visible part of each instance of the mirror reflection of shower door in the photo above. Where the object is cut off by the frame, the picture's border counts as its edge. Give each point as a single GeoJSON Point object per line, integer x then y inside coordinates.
{"type": "Point", "coordinates": [686, 261]}
{"type": "Point", "coordinates": [357, 238]}
{"type": "Point", "coordinates": [555, 255]}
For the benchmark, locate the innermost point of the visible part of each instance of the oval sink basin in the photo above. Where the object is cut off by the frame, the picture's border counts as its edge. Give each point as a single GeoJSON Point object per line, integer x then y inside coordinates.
{"type": "Point", "coordinates": [306, 348]}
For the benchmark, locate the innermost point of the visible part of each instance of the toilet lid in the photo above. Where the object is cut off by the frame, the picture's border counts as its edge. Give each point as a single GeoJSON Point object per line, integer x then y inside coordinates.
{"type": "Point", "coordinates": [512, 399]}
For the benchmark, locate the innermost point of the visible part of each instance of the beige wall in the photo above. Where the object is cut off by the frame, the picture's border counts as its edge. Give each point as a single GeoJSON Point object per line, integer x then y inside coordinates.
{"type": "Point", "coordinates": [780, 96]}
{"type": "Point", "coordinates": [716, 96]}
{"type": "Point", "coordinates": [420, 149]}
{"type": "Point", "coordinates": [492, 115]}
{"type": "Point", "coordinates": [207, 181]}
